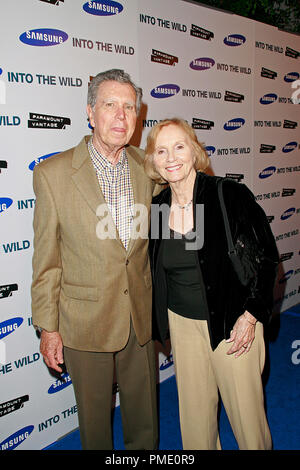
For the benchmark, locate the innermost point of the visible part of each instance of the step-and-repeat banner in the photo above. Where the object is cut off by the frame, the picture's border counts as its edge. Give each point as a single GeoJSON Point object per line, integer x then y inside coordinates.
{"type": "Point", "coordinates": [237, 82]}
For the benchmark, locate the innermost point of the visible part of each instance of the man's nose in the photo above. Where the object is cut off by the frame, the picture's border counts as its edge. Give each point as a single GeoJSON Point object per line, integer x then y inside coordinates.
{"type": "Point", "coordinates": [121, 113]}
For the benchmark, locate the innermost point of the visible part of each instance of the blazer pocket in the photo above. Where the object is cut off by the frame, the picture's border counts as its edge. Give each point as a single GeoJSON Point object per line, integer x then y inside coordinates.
{"type": "Point", "coordinates": [81, 292]}
{"type": "Point", "coordinates": [148, 280]}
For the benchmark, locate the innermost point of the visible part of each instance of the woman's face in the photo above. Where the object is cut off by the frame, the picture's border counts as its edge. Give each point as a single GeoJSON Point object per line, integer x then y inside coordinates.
{"type": "Point", "coordinates": [173, 155]}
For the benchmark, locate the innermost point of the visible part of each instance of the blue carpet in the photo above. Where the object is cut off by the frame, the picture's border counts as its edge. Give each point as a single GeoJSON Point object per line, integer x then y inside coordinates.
{"type": "Point", "coordinates": [282, 392]}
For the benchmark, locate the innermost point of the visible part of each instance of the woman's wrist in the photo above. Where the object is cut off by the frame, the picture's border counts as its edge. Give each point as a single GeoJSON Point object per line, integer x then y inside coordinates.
{"type": "Point", "coordinates": [250, 318]}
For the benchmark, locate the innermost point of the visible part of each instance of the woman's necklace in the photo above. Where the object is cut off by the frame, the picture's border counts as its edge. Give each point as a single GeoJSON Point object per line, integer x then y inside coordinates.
{"type": "Point", "coordinates": [185, 206]}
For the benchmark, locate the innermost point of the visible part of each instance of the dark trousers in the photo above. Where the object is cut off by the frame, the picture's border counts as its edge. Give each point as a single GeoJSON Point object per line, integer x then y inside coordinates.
{"type": "Point", "coordinates": [92, 375]}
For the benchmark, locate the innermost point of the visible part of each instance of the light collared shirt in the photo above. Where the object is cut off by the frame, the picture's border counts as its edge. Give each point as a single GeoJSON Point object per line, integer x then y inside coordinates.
{"type": "Point", "coordinates": [115, 184]}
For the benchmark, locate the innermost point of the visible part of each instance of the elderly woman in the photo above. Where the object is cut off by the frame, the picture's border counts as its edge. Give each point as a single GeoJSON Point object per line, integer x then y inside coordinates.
{"type": "Point", "coordinates": [215, 323]}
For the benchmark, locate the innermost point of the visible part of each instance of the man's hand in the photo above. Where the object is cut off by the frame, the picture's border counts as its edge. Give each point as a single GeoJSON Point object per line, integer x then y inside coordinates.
{"type": "Point", "coordinates": [51, 348]}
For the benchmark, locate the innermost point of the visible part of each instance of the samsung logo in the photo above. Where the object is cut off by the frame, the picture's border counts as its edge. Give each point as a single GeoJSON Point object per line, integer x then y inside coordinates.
{"type": "Point", "coordinates": [165, 91]}
{"type": "Point", "coordinates": [168, 362]}
{"type": "Point", "coordinates": [269, 171]}
{"type": "Point", "coordinates": [268, 99]}
{"type": "Point", "coordinates": [210, 150]}
{"type": "Point", "coordinates": [16, 439]}
{"type": "Point", "coordinates": [43, 37]}
{"type": "Point", "coordinates": [234, 40]}
{"type": "Point", "coordinates": [289, 147]}
{"type": "Point", "coordinates": [286, 276]}
{"type": "Point", "coordinates": [5, 203]}
{"type": "Point", "coordinates": [234, 124]}
{"type": "Point", "coordinates": [9, 326]}
{"type": "Point", "coordinates": [203, 63]}
{"type": "Point", "coordinates": [291, 77]}
{"type": "Point", "coordinates": [103, 8]}
{"type": "Point", "coordinates": [288, 213]}
{"type": "Point", "coordinates": [60, 384]}
{"type": "Point", "coordinates": [40, 159]}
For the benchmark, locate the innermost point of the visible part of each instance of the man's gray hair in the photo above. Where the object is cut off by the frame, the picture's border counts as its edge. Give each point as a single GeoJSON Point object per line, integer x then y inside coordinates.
{"type": "Point", "coordinates": [116, 75]}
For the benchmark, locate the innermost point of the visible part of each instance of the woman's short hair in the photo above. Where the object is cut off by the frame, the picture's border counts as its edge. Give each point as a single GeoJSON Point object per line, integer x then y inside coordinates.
{"type": "Point", "coordinates": [116, 75]}
{"type": "Point", "coordinates": [201, 158]}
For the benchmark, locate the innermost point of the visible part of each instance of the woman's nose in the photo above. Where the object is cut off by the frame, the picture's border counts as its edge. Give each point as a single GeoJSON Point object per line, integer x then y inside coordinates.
{"type": "Point", "coordinates": [170, 156]}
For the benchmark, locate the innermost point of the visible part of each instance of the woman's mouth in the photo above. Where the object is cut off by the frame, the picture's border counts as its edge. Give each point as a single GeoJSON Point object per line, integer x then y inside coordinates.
{"type": "Point", "coordinates": [173, 168]}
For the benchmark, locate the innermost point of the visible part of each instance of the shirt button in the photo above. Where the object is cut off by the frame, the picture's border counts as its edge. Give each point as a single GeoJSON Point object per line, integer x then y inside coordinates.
{"type": "Point", "coordinates": [127, 262]}
{"type": "Point", "coordinates": [126, 291]}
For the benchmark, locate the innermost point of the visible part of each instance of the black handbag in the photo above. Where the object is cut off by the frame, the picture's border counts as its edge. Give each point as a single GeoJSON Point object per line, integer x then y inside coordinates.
{"type": "Point", "coordinates": [245, 255]}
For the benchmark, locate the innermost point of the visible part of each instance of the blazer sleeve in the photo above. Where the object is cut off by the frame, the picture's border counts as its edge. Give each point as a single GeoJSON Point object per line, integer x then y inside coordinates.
{"type": "Point", "coordinates": [260, 299]}
{"type": "Point", "coordinates": [46, 260]}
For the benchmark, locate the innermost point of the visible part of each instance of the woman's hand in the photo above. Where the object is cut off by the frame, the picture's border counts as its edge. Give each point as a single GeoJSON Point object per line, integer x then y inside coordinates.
{"type": "Point", "coordinates": [242, 335]}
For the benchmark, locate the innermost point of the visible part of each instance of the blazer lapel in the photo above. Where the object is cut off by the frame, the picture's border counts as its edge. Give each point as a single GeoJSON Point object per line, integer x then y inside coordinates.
{"type": "Point", "coordinates": [138, 182]}
{"type": "Point", "coordinates": [86, 181]}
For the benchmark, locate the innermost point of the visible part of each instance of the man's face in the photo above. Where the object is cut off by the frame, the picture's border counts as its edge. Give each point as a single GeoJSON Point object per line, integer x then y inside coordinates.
{"type": "Point", "coordinates": [113, 116]}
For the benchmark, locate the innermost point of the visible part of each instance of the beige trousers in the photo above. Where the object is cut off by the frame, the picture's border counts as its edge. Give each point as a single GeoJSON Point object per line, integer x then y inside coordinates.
{"type": "Point", "coordinates": [201, 373]}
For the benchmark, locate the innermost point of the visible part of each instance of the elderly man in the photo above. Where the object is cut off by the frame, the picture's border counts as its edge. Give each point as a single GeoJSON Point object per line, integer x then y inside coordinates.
{"type": "Point", "coordinates": [91, 295]}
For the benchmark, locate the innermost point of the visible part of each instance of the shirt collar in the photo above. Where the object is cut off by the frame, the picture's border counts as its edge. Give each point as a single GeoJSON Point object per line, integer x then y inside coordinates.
{"type": "Point", "coordinates": [102, 162]}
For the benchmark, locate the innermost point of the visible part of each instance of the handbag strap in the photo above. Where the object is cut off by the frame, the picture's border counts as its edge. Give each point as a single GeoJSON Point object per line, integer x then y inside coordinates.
{"type": "Point", "coordinates": [231, 248]}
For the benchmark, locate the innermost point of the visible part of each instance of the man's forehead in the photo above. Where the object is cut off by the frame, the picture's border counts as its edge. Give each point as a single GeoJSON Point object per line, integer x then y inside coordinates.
{"type": "Point", "coordinates": [114, 88]}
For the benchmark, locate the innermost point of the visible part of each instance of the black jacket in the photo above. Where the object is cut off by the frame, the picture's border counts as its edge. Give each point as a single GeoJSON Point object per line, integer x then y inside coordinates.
{"type": "Point", "coordinates": [226, 298]}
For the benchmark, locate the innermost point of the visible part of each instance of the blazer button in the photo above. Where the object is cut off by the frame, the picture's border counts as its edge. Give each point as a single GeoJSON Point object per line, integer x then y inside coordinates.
{"type": "Point", "coordinates": [127, 262]}
{"type": "Point", "coordinates": [126, 291]}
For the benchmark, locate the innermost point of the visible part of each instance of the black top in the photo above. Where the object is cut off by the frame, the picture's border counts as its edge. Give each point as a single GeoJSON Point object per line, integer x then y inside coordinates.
{"type": "Point", "coordinates": [186, 293]}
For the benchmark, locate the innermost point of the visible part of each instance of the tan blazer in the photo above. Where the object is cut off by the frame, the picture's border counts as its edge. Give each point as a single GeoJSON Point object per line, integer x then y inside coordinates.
{"type": "Point", "coordinates": [84, 287]}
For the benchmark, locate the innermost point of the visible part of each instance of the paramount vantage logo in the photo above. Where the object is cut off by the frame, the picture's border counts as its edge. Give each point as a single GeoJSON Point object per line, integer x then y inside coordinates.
{"type": "Point", "coordinates": [201, 33]}
{"type": "Point", "coordinates": [43, 37]}
{"type": "Point", "coordinates": [202, 124]}
{"type": "Point", "coordinates": [267, 73]}
{"type": "Point", "coordinates": [52, 2]}
{"type": "Point", "coordinates": [13, 405]}
{"type": "Point", "coordinates": [267, 148]}
{"type": "Point", "coordinates": [46, 121]}
{"type": "Point", "coordinates": [289, 52]}
{"type": "Point", "coordinates": [3, 165]}
{"type": "Point", "coordinates": [6, 290]}
{"type": "Point", "coordinates": [163, 58]}
{"type": "Point", "coordinates": [233, 97]}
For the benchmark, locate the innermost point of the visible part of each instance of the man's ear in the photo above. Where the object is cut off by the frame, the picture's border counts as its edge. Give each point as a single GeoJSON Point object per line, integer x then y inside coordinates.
{"type": "Point", "coordinates": [90, 114]}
